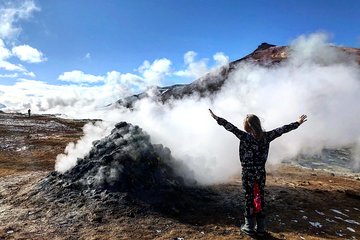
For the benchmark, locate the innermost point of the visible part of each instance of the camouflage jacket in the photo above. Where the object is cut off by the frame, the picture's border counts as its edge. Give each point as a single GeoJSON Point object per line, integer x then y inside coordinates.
{"type": "Point", "coordinates": [253, 153]}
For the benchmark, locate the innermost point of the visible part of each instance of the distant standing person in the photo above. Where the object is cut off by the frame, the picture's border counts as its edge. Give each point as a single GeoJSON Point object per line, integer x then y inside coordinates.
{"type": "Point", "coordinates": [29, 112]}
{"type": "Point", "coordinates": [253, 151]}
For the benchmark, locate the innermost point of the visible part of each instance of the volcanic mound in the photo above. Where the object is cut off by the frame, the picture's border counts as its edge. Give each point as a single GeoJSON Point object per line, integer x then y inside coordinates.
{"type": "Point", "coordinates": [125, 163]}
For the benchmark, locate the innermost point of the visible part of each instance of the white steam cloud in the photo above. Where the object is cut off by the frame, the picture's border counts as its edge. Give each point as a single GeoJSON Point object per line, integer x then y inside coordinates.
{"type": "Point", "coordinates": [317, 79]}
{"type": "Point", "coordinates": [92, 132]}
{"type": "Point", "coordinates": [198, 68]}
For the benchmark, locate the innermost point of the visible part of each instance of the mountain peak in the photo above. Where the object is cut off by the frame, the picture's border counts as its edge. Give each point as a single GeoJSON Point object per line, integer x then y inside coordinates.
{"type": "Point", "coordinates": [264, 46]}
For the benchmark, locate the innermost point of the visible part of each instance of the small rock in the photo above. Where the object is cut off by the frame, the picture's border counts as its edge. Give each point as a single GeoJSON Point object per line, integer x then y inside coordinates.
{"type": "Point", "coordinates": [282, 236]}
{"type": "Point", "coordinates": [97, 218]}
{"type": "Point", "coordinates": [130, 214]}
{"type": "Point", "coordinates": [305, 183]}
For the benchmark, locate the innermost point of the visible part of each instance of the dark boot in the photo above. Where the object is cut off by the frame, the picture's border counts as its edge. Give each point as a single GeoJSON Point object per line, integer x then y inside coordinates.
{"type": "Point", "coordinates": [248, 226]}
{"type": "Point", "coordinates": [260, 225]}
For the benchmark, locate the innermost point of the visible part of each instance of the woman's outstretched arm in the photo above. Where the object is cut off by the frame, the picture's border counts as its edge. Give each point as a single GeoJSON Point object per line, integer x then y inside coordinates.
{"type": "Point", "coordinates": [228, 126]}
{"type": "Point", "coordinates": [271, 135]}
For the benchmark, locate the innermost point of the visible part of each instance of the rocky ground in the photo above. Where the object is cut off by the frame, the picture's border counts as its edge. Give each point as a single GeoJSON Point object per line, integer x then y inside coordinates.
{"type": "Point", "coordinates": [302, 203]}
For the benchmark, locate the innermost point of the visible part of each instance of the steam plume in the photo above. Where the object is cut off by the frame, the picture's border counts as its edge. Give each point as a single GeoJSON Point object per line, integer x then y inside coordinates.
{"type": "Point", "coordinates": [317, 79]}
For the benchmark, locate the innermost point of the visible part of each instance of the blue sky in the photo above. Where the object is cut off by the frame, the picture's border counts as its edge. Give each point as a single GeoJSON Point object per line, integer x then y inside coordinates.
{"type": "Point", "coordinates": [161, 42]}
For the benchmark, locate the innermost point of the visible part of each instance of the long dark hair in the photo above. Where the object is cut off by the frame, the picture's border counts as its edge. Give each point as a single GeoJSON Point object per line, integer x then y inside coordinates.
{"type": "Point", "coordinates": [252, 125]}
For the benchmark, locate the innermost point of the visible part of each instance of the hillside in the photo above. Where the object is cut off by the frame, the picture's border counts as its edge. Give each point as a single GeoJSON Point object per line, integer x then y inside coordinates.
{"type": "Point", "coordinates": [265, 54]}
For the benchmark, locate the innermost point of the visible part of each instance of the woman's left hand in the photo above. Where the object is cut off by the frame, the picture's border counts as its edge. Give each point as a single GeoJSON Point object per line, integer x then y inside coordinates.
{"type": "Point", "coordinates": [213, 115]}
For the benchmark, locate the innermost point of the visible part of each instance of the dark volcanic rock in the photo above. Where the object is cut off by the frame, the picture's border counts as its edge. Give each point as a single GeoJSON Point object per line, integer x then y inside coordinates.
{"type": "Point", "coordinates": [125, 162]}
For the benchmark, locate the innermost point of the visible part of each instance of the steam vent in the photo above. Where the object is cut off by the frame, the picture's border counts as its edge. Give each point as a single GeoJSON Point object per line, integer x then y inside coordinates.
{"type": "Point", "coordinates": [124, 163]}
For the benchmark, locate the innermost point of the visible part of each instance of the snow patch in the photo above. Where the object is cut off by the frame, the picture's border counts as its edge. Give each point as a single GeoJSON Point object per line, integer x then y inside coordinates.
{"type": "Point", "coordinates": [339, 234]}
{"type": "Point", "coordinates": [352, 221]}
{"type": "Point", "coordinates": [338, 212]}
{"type": "Point", "coordinates": [316, 224]}
{"type": "Point", "coordinates": [21, 149]}
{"type": "Point", "coordinates": [320, 213]}
{"type": "Point", "coordinates": [330, 220]}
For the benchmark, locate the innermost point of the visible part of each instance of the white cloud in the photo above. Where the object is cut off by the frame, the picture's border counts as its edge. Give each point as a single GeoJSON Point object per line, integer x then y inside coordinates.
{"type": "Point", "coordinates": [87, 56]}
{"type": "Point", "coordinates": [12, 67]}
{"type": "Point", "coordinates": [196, 69]}
{"type": "Point", "coordinates": [151, 74]}
{"type": "Point", "coordinates": [13, 12]}
{"type": "Point", "coordinates": [13, 75]}
{"type": "Point", "coordinates": [155, 72]}
{"type": "Point", "coordinates": [29, 74]}
{"type": "Point", "coordinates": [28, 54]}
{"type": "Point", "coordinates": [77, 76]}
{"type": "Point", "coordinates": [4, 52]}
{"type": "Point", "coordinates": [8, 66]}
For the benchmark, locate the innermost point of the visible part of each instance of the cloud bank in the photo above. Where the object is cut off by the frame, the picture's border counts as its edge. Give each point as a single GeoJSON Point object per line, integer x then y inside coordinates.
{"type": "Point", "coordinates": [83, 90]}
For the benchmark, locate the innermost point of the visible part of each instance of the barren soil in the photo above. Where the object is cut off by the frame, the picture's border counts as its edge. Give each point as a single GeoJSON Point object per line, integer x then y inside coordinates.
{"type": "Point", "coordinates": [301, 203]}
